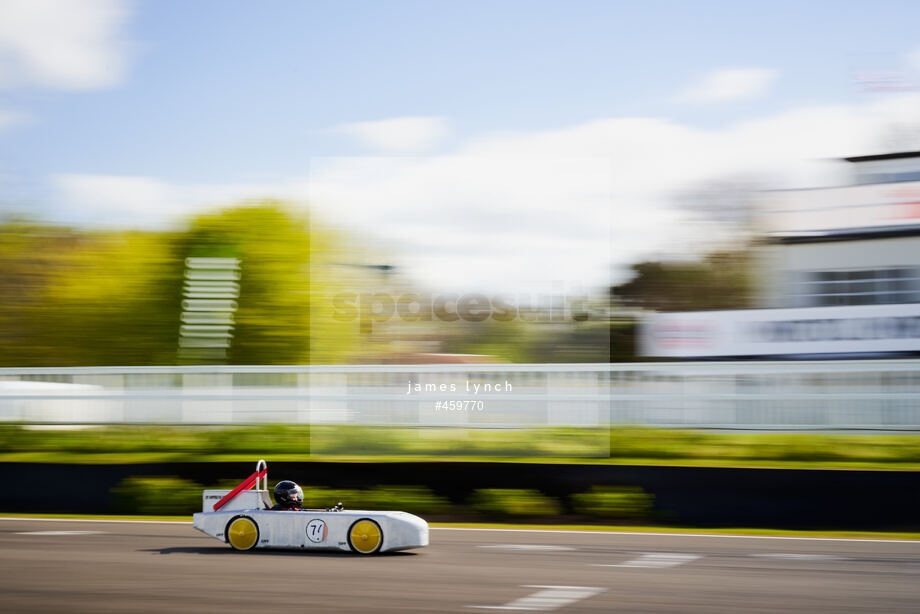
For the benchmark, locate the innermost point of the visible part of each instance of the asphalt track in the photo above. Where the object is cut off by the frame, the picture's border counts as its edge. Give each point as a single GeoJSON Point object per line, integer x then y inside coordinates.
{"type": "Point", "coordinates": [79, 566]}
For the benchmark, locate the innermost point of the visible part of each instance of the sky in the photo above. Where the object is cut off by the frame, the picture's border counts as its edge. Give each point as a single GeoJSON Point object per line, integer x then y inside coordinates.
{"type": "Point", "coordinates": [484, 145]}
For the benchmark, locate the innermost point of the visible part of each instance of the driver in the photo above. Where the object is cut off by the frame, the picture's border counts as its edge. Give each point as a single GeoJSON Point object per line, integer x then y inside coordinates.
{"type": "Point", "coordinates": [288, 495]}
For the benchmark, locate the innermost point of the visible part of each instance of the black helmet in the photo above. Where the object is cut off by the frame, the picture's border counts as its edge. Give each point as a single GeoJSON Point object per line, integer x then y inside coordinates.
{"type": "Point", "coordinates": [288, 493]}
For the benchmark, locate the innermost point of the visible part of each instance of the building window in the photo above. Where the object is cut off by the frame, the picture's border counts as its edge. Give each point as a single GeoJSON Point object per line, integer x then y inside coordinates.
{"type": "Point", "coordinates": [873, 178]}
{"type": "Point", "coordinates": [857, 287]}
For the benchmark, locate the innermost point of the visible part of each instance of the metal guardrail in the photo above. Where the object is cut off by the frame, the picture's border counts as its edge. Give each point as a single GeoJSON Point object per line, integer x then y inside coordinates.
{"type": "Point", "coordinates": [812, 395]}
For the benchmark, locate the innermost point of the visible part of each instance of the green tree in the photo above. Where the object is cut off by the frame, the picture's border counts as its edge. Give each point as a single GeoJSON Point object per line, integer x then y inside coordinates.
{"type": "Point", "coordinates": [80, 298]}
{"type": "Point", "coordinates": [71, 297]}
{"type": "Point", "coordinates": [279, 318]}
{"type": "Point", "coordinates": [722, 280]}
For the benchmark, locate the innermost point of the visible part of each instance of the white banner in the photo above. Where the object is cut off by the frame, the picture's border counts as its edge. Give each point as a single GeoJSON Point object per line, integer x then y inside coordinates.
{"type": "Point", "coordinates": [884, 205]}
{"type": "Point", "coordinates": [771, 332]}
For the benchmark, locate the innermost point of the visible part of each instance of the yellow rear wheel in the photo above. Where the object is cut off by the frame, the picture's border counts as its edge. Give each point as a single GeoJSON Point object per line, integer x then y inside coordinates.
{"type": "Point", "coordinates": [242, 533]}
{"type": "Point", "coordinates": [365, 536]}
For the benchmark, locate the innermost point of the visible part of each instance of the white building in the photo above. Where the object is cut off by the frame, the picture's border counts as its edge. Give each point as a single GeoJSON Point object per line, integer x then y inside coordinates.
{"type": "Point", "coordinates": [839, 275]}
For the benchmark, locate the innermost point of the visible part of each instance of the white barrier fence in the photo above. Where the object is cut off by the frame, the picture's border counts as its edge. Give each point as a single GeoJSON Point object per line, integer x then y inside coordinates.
{"type": "Point", "coordinates": [813, 395]}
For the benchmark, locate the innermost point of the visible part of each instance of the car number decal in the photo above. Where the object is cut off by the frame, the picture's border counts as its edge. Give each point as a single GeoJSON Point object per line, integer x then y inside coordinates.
{"type": "Point", "coordinates": [317, 531]}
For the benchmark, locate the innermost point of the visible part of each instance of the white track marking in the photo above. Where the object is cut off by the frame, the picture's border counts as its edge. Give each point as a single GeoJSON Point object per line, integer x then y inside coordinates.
{"type": "Point", "coordinates": [800, 557]}
{"type": "Point", "coordinates": [60, 532]}
{"type": "Point", "coordinates": [656, 560]}
{"type": "Point", "coordinates": [545, 600]}
{"type": "Point", "coordinates": [562, 531]}
{"type": "Point", "coordinates": [653, 534]}
{"type": "Point", "coordinates": [533, 547]}
{"type": "Point", "coordinates": [95, 520]}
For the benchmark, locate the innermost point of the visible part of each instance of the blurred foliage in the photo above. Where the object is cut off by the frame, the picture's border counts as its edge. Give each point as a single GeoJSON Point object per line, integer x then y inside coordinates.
{"type": "Point", "coordinates": [623, 340]}
{"type": "Point", "coordinates": [172, 495]}
{"type": "Point", "coordinates": [357, 441]}
{"type": "Point", "coordinates": [723, 280]}
{"type": "Point", "coordinates": [513, 502]}
{"type": "Point", "coordinates": [157, 495]}
{"type": "Point", "coordinates": [521, 342]}
{"type": "Point", "coordinates": [412, 499]}
{"type": "Point", "coordinates": [272, 321]}
{"type": "Point", "coordinates": [73, 298]}
{"type": "Point", "coordinates": [77, 298]}
{"type": "Point", "coordinates": [157, 442]}
{"type": "Point", "coordinates": [590, 445]}
{"type": "Point", "coordinates": [620, 502]}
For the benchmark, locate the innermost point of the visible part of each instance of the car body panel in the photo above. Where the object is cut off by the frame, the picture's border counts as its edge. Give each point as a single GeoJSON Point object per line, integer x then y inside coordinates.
{"type": "Point", "coordinates": [328, 530]}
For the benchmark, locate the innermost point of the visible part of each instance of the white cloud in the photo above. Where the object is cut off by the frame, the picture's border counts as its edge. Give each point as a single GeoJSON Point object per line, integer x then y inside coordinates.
{"type": "Point", "coordinates": [730, 84]}
{"type": "Point", "coordinates": [913, 58]}
{"type": "Point", "coordinates": [514, 211]}
{"type": "Point", "coordinates": [398, 135]}
{"type": "Point", "coordinates": [486, 219]}
{"type": "Point", "coordinates": [9, 118]}
{"type": "Point", "coordinates": [118, 200]}
{"type": "Point", "coordinates": [65, 44]}
{"type": "Point", "coordinates": [130, 201]}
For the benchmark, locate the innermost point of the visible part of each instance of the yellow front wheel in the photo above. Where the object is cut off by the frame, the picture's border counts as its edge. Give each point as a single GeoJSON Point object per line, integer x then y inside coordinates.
{"type": "Point", "coordinates": [242, 533]}
{"type": "Point", "coordinates": [365, 536]}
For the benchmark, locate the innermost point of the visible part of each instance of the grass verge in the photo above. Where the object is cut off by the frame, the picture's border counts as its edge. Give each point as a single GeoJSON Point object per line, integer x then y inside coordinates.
{"type": "Point", "coordinates": [351, 443]}
{"type": "Point", "coordinates": [901, 535]}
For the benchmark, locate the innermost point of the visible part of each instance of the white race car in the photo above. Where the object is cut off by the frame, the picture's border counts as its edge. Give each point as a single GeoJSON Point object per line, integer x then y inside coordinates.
{"type": "Point", "coordinates": [241, 518]}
